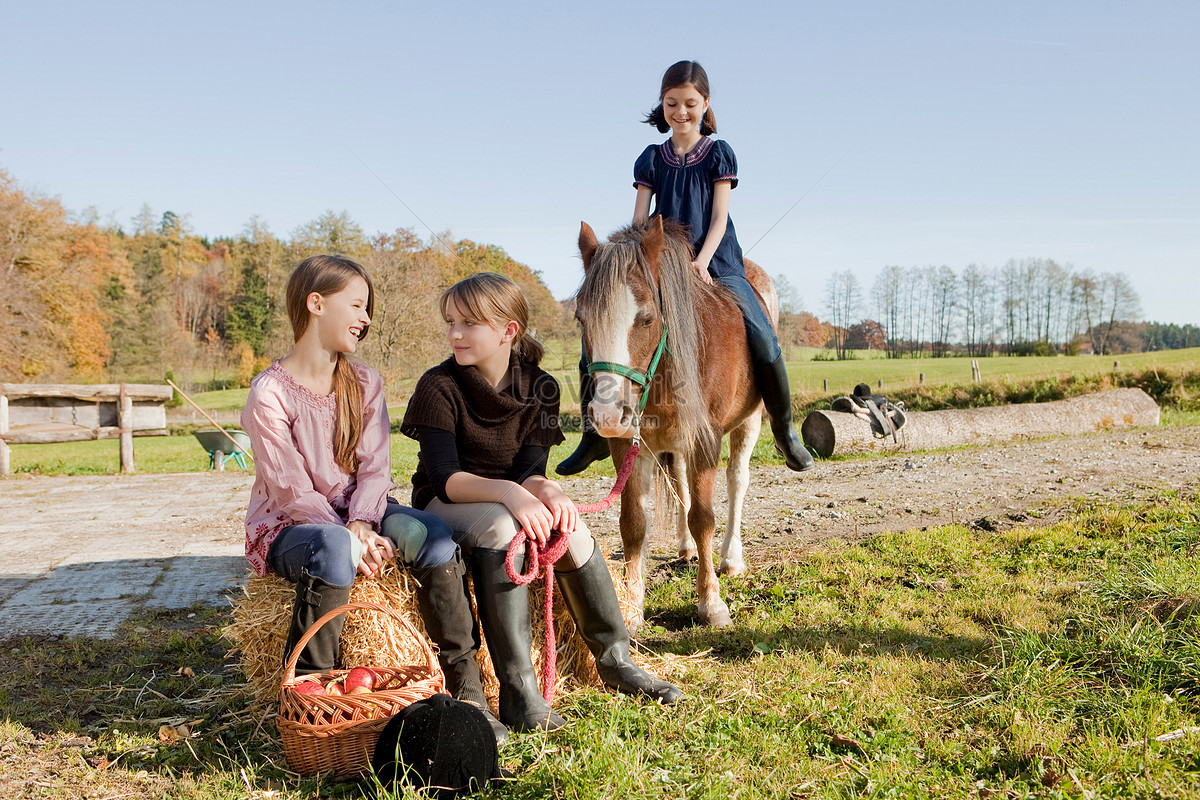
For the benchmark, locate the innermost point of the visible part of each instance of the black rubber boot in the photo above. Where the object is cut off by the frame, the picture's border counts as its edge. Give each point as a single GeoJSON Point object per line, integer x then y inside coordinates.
{"type": "Point", "coordinates": [504, 613]}
{"type": "Point", "coordinates": [593, 603]}
{"type": "Point", "coordinates": [592, 446]}
{"type": "Point", "coordinates": [772, 382]}
{"type": "Point", "coordinates": [446, 610]}
{"type": "Point", "coordinates": [314, 599]}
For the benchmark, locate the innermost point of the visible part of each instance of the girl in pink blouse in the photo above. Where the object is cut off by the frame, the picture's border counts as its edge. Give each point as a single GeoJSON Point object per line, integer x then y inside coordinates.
{"type": "Point", "coordinates": [320, 510]}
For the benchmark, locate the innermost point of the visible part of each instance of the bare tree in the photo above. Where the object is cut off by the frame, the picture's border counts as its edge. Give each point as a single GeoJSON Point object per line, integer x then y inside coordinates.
{"type": "Point", "coordinates": [944, 304]}
{"type": "Point", "coordinates": [1117, 302]}
{"type": "Point", "coordinates": [886, 295]}
{"type": "Point", "coordinates": [842, 300]}
{"type": "Point", "coordinates": [978, 300]}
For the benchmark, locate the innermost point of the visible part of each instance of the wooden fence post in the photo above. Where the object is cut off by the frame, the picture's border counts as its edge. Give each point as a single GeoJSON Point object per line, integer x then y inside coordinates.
{"type": "Point", "coordinates": [125, 425]}
{"type": "Point", "coordinates": [921, 378]}
{"type": "Point", "coordinates": [975, 374]}
{"type": "Point", "coordinates": [5, 466]}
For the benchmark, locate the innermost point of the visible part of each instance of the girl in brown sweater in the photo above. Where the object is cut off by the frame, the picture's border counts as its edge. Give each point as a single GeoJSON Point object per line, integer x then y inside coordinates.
{"type": "Point", "coordinates": [486, 419]}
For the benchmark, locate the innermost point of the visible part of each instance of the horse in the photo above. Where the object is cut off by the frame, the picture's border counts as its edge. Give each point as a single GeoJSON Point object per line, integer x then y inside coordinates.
{"type": "Point", "coordinates": [672, 369]}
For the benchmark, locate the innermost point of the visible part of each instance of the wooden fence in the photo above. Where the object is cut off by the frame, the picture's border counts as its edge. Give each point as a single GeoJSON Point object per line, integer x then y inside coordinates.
{"type": "Point", "coordinates": [43, 413]}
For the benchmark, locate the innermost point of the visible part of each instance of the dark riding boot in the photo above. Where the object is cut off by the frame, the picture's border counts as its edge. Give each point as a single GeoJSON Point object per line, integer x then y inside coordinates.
{"type": "Point", "coordinates": [446, 610]}
{"type": "Point", "coordinates": [592, 446]}
{"type": "Point", "coordinates": [592, 600]}
{"type": "Point", "coordinates": [314, 599]}
{"type": "Point", "coordinates": [504, 613]}
{"type": "Point", "coordinates": [772, 382]}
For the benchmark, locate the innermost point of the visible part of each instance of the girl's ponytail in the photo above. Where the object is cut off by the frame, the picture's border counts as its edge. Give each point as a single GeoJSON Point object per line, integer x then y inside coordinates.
{"type": "Point", "coordinates": [658, 119]}
{"type": "Point", "coordinates": [347, 429]}
{"type": "Point", "coordinates": [708, 125]}
{"type": "Point", "coordinates": [529, 348]}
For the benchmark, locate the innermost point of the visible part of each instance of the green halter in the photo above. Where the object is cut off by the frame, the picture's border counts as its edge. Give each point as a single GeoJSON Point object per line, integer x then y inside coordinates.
{"type": "Point", "coordinates": [637, 376]}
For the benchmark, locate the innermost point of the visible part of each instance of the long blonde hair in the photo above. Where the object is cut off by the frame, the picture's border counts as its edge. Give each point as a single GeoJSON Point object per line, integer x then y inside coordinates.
{"type": "Point", "coordinates": [497, 300]}
{"type": "Point", "coordinates": [328, 275]}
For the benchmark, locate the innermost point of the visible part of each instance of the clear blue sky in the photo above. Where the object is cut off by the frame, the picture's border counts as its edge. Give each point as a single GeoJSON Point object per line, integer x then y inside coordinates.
{"type": "Point", "coordinates": [947, 133]}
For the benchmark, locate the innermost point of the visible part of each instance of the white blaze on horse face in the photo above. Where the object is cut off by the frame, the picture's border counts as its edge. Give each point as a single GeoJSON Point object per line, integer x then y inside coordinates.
{"type": "Point", "coordinates": [612, 406]}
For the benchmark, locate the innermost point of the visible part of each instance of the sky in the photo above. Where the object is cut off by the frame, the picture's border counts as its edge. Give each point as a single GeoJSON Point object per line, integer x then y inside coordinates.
{"type": "Point", "coordinates": [868, 134]}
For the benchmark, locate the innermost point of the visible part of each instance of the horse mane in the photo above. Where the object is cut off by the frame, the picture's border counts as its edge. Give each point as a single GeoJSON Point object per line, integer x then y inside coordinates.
{"type": "Point", "coordinates": [679, 292]}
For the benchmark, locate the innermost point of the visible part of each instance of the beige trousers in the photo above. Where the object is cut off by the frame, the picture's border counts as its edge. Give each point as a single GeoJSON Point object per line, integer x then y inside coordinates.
{"type": "Point", "coordinates": [493, 527]}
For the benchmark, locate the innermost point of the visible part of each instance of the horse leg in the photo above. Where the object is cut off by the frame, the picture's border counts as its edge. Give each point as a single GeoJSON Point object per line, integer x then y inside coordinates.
{"type": "Point", "coordinates": [702, 521]}
{"type": "Point", "coordinates": [635, 518]}
{"type": "Point", "coordinates": [679, 477]}
{"type": "Point", "coordinates": [737, 477]}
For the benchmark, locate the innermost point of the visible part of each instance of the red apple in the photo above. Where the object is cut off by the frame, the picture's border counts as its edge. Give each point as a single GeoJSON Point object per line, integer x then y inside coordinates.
{"type": "Point", "coordinates": [364, 677]}
{"type": "Point", "coordinates": [334, 688]}
{"type": "Point", "coordinates": [358, 690]}
{"type": "Point", "coordinates": [309, 687]}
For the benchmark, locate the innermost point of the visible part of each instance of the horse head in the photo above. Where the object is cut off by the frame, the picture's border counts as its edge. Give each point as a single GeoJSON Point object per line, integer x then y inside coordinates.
{"type": "Point", "coordinates": [620, 316]}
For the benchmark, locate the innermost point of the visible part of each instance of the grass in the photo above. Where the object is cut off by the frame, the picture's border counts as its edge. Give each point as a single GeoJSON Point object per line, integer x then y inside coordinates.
{"type": "Point", "coordinates": [1175, 387]}
{"type": "Point", "coordinates": [950, 662]}
{"type": "Point", "coordinates": [809, 376]}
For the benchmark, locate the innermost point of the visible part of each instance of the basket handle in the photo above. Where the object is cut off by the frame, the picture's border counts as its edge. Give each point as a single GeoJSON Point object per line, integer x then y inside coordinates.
{"type": "Point", "coordinates": [289, 671]}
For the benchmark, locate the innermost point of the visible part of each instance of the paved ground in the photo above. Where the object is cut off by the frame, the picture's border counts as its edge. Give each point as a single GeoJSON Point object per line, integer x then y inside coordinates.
{"type": "Point", "coordinates": [80, 553]}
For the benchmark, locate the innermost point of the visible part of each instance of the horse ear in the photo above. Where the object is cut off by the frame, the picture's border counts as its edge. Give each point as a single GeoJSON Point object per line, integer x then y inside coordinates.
{"type": "Point", "coordinates": [587, 244]}
{"type": "Point", "coordinates": [653, 243]}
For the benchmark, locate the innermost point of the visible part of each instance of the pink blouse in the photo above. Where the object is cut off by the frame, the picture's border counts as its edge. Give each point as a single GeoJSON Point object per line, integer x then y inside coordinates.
{"type": "Point", "coordinates": [297, 480]}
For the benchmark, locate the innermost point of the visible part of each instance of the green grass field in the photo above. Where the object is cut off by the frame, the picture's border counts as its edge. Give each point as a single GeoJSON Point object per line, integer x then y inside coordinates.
{"type": "Point", "coordinates": [808, 377]}
{"type": "Point", "coordinates": [1172, 377]}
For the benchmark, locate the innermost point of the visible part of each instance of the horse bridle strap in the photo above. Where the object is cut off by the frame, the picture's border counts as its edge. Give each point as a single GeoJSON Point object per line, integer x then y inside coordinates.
{"type": "Point", "coordinates": [637, 376]}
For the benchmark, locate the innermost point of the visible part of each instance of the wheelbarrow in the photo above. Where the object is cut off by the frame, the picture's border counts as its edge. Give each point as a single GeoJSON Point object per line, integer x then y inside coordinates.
{"type": "Point", "coordinates": [220, 449]}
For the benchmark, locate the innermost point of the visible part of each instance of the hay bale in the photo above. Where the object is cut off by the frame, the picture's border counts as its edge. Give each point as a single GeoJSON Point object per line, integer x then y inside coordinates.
{"type": "Point", "coordinates": [262, 613]}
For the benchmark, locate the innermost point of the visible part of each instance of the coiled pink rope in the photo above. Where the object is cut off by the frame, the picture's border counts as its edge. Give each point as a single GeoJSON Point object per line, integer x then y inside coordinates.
{"type": "Point", "coordinates": [543, 558]}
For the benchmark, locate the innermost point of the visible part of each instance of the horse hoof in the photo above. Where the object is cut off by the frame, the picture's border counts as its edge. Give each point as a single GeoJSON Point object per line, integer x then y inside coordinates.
{"type": "Point", "coordinates": [733, 568]}
{"type": "Point", "coordinates": [689, 555]}
{"type": "Point", "coordinates": [718, 618]}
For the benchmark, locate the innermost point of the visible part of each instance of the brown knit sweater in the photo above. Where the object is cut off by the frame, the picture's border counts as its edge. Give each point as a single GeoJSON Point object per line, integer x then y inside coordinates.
{"type": "Point", "coordinates": [488, 426]}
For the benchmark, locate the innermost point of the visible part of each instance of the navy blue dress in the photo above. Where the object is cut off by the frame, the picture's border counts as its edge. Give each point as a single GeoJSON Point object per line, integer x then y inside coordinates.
{"type": "Point", "coordinates": [683, 191]}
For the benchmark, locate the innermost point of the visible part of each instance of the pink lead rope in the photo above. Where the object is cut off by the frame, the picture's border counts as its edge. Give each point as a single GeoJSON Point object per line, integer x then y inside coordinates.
{"type": "Point", "coordinates": [544, 557]}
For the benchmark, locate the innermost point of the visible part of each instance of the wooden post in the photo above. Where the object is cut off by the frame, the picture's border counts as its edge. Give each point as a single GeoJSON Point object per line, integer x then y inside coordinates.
{"type": "Point", "coordinates": [881, 383]}
{"type": "Point", "coordinates": [825, 385]}
{"type": "Point", "coordinates": [5, 466]}
{"type": "Point", "coordinates": [975, 374]}
{"type": "Point", "coordinates": [921, 378]}
{"type": "Point", "coordinates": [125, 425]}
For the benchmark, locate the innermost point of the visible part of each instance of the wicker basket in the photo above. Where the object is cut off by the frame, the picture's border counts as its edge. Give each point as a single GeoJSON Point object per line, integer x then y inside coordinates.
{"type": "Point", "coordinates": [324, 732]}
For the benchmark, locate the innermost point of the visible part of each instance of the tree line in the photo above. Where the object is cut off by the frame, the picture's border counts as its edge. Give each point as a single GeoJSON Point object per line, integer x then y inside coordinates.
{"type": "Point", "coordinates": [84, 300]}
{"type": "Point", "coordinates": [1031, 306]}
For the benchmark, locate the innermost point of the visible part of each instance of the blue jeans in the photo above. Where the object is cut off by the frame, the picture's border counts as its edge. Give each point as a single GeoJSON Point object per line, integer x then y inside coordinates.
{"type": "Point", "coordinates": [764, 346]}
{"type": "Point", "coordinates": [326, 551]}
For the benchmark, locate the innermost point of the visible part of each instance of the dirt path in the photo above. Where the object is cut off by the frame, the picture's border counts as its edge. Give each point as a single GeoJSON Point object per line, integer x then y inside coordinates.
{"type": "Point", "coordinates": [994, 486]}
{"type": "Point", "coordinates": [82, 553]}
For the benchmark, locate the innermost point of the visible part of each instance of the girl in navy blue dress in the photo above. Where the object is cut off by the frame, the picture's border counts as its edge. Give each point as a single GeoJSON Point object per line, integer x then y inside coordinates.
{"type": "Point", "coordinates": [690, 177]}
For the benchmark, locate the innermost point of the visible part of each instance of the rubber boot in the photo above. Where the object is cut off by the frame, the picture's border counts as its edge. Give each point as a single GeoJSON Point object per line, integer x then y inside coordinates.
{"type": "Point", "coordinates": [592, 446]}
{"type": "Point", "coordinates": [593, 603]}
{"type": "Point", "coordinates": [314, 599]}
{"type": "Point", "coordinates": [504, 613]}
{"type": "Point", "coordinates": [446, 610]}
{"type": "Point", "coordinates": [772, 382]}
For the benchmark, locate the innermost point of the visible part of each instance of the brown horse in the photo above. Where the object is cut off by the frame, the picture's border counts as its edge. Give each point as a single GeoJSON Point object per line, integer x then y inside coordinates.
{"type": "Point", "coordinates": [648, 319]}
